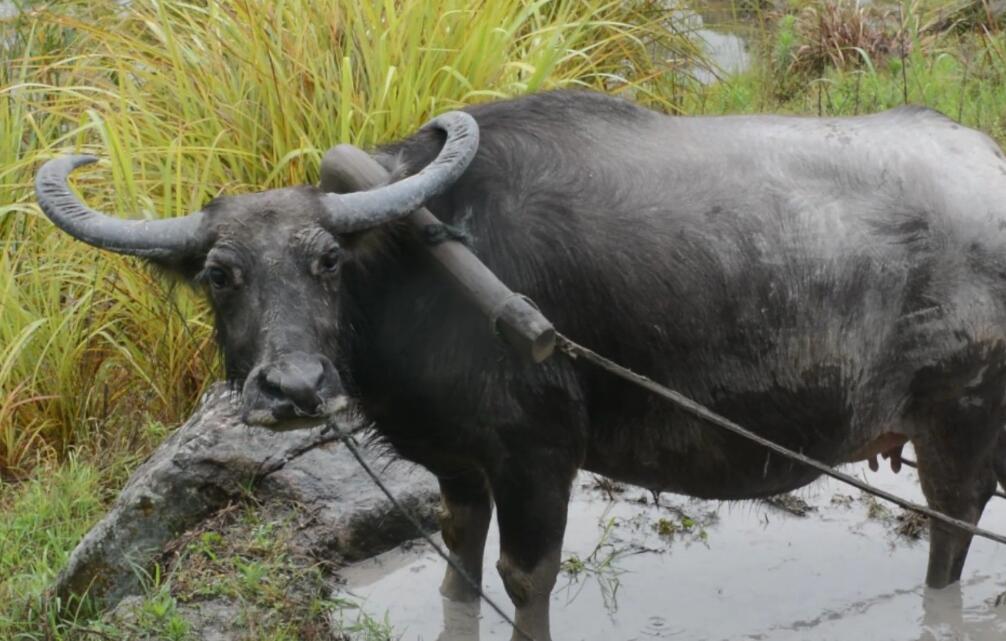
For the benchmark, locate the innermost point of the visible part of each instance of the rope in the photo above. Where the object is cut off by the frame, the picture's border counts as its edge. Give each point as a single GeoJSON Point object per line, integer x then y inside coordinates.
{"type": "Point", "coordinates": [350, 443]}
{"type": "Point", "coordinates": [441, 233]}
{"type": "Point", "coordinates": [912, 464]}
{"type": "Point", "coordinates": [578, 351]}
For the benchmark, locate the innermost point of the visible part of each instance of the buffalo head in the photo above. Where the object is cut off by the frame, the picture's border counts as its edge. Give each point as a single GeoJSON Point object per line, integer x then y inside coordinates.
{"type": "Point", "coordinates": [270, 263]}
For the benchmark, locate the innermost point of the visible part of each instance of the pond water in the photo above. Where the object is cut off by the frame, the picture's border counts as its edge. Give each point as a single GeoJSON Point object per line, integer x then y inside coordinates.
{"type": "Point", "coordinates": [728, 571]}
{"type": "Point", "coordinates": [7, 9]}
{"type": "Point", "coordinates": [727, 52]}
{"type": "Point", "coordinates": [722, 36]}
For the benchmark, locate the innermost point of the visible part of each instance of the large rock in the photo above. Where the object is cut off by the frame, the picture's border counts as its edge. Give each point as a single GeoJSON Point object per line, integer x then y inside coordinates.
{"type": "Point", "coordinates": [214, 459]}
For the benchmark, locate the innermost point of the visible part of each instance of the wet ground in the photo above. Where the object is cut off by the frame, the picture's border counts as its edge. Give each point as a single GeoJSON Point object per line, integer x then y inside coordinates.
{"type": "Point", "coordinates": [847, 569]}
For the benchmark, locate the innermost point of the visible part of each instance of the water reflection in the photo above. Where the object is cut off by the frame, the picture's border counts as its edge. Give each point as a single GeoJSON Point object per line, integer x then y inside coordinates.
{"type": "Point", "coordinates": [461, 620]}
{"type": "Point", "coordinates": [943, 618]}
{"type": "Point", "coordinates": [760, 573]}
{"type": "Point", "coordinates": [725, 48]}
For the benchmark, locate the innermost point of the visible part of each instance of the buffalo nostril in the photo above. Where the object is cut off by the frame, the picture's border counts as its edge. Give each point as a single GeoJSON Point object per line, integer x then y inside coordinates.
{"type": "Point", "coordinates": [297, 382]}
{"type": "Point", "coordinates": [270, 383]}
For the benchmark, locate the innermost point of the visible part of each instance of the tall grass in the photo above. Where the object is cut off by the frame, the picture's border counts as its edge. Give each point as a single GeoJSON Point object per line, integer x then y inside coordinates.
{"type": "Point", "coordinates": [189, 100]}
{"type": "Point", "coordinates": [837, 57]}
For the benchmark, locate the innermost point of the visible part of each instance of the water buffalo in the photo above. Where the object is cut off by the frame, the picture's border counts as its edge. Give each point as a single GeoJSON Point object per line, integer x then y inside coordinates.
{"type": "Point", "coordinates": [836, 284]}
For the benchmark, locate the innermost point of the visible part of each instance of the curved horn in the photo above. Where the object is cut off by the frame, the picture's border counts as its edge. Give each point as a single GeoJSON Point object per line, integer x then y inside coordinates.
{"type": "Point", "coordinates": [365, 209]}
{"type": "Point", "coordinates": [147, 238]}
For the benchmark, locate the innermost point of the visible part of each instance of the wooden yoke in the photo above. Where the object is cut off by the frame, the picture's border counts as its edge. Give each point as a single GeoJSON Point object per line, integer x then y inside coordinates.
{"type": "Point", "coordinates": [348, 169]}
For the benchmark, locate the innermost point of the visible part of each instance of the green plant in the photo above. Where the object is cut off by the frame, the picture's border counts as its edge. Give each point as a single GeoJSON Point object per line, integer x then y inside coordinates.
{"type": "Point", "coordinates": [42, 521]}
{"type": "Point", "coordinates": [843, 34]}
{"type": "Point", "coordinates": [362, 627]}
{"type": "Point", "coordinates": [187, 101]}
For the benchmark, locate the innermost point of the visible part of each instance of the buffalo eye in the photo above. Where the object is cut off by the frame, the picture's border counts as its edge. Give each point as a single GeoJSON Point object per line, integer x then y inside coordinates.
{"type": "Point", "coordinates": [328, 263]}
{"type": "Point", "coordinates": [218, 277]}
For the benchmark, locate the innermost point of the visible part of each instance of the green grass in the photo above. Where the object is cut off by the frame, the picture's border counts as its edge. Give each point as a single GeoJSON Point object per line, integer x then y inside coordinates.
{"type": "Point", "coordinates": [245, 555]}
{"type": "Point", "coordinates": [42, 522]}
{"type": "Point", "coordinates": [43, 519]}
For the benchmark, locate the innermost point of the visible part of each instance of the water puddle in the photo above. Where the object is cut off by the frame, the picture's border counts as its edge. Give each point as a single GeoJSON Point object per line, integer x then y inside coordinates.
{"type": "Point", "coordinates": [702, 570]}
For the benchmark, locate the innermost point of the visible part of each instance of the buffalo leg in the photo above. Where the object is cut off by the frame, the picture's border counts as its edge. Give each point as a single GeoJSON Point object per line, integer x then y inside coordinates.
{"type": "Point", "coordinates": [464, 522]}
{"type": "Point", "coordinates": [957, 480]}
{"type": "Point", "coordinates": [531, 503]}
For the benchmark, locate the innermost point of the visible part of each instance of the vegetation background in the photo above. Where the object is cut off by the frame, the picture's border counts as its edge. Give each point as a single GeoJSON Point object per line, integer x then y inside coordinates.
{"type": "Point", "coordinates": [185, 101]}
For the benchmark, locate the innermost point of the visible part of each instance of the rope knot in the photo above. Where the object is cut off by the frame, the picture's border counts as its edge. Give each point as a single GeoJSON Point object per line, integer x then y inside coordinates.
{"type": "Point", "coordinates": [439, 233]}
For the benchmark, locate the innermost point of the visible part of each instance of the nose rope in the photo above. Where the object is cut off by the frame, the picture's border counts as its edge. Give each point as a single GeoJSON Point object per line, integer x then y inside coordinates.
{"type": "Point", "coordinates": [437, 233]}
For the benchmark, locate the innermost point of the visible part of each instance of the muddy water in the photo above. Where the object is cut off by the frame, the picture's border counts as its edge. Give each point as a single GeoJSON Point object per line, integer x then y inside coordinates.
{"type": "Point", "coordinates": [740, 571]}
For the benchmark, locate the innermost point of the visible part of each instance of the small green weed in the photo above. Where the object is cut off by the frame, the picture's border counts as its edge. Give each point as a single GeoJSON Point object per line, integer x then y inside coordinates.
{"type": "Point", "coordinates": [683, 526]}
{"type": "Point", "coordinates": [353, 624]}
{"type": "Point", "coordinates": [159, 612]}
{"type": "Point", "coordinates": [573, 565]}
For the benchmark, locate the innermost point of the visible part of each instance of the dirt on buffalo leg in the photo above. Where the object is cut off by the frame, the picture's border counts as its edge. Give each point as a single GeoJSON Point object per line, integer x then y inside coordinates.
{"type": "Point", "coordinates": [531, 502]}
{"type": "Point", "coordinates": [467, 510]}
{"type": "Point", "coordinates": [530, 592]}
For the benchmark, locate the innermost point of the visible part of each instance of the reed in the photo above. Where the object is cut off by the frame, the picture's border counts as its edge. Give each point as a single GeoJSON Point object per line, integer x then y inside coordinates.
{"type": "Point", "coordinates": [185, 101]}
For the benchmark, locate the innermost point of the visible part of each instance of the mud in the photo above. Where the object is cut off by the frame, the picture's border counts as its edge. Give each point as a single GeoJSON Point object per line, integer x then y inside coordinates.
{"type": "Point", "coordinates": [830, 564]}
